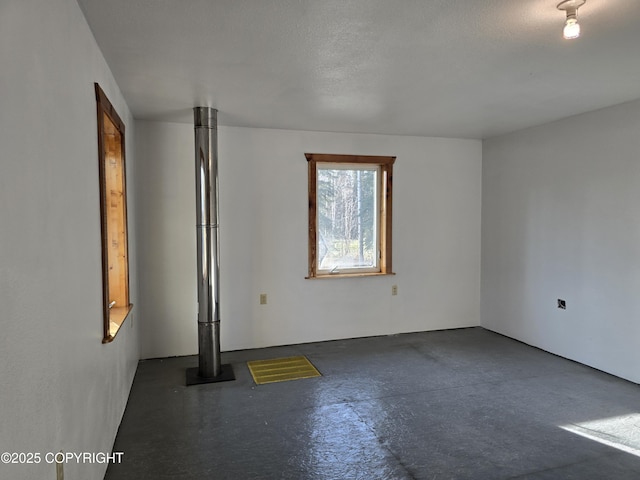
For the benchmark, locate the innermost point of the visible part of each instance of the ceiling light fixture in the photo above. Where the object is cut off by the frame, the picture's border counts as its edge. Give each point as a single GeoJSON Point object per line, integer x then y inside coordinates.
{"type": "Point", "coordinates": [571, 26]}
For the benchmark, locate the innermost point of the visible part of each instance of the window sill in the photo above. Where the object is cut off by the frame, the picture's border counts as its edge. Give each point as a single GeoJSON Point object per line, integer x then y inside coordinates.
{"type": "Point", "coordinates": [349, 275]}
{"type": "Point", "coordinates": [117, 316]}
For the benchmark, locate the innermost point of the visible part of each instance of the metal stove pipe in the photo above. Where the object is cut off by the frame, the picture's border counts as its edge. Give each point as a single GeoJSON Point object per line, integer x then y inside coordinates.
{"type": "Point", "coordinates": [208, 251]}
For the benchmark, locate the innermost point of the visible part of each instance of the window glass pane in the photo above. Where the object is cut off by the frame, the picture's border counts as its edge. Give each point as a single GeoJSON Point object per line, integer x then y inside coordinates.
{"type": "Point", "coordinates": [347, 216]}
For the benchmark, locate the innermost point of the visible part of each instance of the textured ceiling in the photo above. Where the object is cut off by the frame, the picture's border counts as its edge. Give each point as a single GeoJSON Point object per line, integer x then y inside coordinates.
{"type": "Point", "coordinates": [454, 68]}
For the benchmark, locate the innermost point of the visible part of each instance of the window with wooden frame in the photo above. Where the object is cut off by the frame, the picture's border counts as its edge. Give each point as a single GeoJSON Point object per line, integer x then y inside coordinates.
{"type": "Point", "coordinates": [113, 217]}
{"type": "Point", "coordinates": [349, 215]}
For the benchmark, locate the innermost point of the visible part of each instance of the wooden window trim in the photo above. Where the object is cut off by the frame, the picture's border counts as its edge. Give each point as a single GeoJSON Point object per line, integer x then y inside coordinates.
{"type": "Point", "coordinates": [386, 202]}
{"type": "Point", "coordinates": [118, 314]}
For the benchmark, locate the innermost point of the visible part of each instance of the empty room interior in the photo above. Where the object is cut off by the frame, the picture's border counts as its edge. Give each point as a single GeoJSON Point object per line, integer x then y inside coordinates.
{"type": "Point", "coordinates": [433, 205]}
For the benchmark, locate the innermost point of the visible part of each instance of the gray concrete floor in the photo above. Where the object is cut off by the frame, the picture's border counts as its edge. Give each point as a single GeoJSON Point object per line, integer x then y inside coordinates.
{"type": "Point", "coordinates": [456, 404]}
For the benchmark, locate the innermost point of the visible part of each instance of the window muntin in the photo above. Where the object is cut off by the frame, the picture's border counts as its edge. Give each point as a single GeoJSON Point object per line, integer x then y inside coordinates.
{"type": "Point", "coordinates": [358, 187]}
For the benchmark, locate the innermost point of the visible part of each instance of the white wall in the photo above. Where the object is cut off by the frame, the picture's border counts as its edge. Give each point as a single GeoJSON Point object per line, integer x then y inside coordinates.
{"type": "Point", "coordinates": [263, 228]}
{"type": "Point", "coordinates": [60, 388]}
{"type": "Point", "coordinates": [561, 219]}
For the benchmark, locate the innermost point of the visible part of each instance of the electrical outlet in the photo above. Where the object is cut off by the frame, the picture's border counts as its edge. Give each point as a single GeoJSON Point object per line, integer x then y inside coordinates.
{"type": "Point", "coordinates": [562, 304]}
{"type": "Point", "coordinates": [263, 299]}
{"type": "Point", "coordinates": [394, 289]}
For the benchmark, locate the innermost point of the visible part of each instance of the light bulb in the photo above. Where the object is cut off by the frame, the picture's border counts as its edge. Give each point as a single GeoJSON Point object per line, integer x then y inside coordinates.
{"type": "Point", "coordinates": [571, 29]}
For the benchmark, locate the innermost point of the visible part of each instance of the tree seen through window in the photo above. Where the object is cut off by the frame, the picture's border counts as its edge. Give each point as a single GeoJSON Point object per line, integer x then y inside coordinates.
{"type": "Point", "coordinates": [347, 217]}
